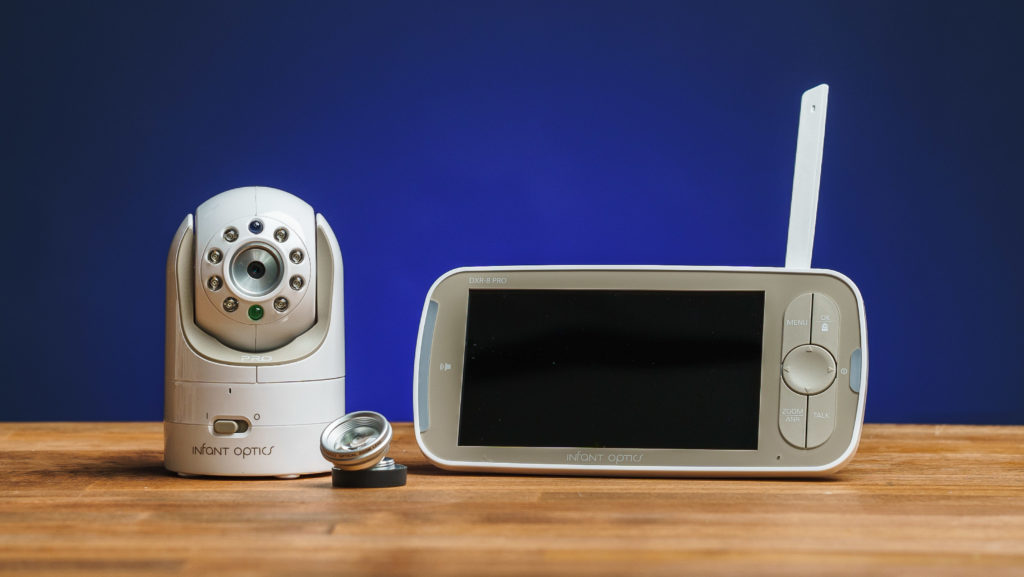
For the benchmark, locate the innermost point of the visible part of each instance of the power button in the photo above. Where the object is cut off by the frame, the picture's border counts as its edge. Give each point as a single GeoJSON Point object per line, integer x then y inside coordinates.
{"type": "Point", "coordinates": [229, 426]}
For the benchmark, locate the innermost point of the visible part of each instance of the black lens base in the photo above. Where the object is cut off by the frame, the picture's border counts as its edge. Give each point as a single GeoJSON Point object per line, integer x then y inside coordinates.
{"type": "Point", "coordinates": [375, 478]}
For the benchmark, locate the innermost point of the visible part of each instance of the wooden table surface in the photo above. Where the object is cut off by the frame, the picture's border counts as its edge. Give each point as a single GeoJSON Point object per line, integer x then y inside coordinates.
{"type": "Point", "coordinates": [94, 499]}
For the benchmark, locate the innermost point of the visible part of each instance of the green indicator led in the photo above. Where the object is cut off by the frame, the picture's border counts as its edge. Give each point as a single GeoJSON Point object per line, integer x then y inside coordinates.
{"type": "Point", "coordinates": [255, 312]}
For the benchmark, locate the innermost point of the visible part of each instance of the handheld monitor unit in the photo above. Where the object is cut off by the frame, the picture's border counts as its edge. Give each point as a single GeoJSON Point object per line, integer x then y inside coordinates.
{"type": "Point", "coordinates": [649, 370]}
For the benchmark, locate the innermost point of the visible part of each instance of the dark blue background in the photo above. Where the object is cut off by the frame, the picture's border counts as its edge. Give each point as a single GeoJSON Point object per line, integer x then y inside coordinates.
{"type": "Point", "coordinates": [442, 134]}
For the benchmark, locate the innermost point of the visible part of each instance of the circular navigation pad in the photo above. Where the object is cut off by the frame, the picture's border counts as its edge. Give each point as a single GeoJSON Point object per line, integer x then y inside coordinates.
{"type": "Point", "coordinates": [809, 369]}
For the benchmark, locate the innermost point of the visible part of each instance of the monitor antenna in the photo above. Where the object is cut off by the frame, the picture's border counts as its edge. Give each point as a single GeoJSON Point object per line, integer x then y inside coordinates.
{"type": "Point", "coordinates": [810, 144]}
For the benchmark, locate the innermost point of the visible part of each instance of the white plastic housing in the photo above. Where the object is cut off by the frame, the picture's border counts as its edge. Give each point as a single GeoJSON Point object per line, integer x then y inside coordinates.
{"type": "Point", "coordinates": [285, 395]}
{"type": "Point", "coordinates": [235, 210]}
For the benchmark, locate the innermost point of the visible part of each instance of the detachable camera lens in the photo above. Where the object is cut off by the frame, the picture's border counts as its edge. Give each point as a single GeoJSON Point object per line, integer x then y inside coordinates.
{"type": "Point", "coordinates": [256, 270]}
{"type": "Point", "coordinates": [356, 441]}
{"type": "Point", "coordinates": [357, 445]}
{"type": "Point", "coordinates": [256, 226]}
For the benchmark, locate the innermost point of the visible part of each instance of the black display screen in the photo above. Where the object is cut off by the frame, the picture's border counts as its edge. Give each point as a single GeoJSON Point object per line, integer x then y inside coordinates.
{"type": "Point", "coordinates": [612, 368]}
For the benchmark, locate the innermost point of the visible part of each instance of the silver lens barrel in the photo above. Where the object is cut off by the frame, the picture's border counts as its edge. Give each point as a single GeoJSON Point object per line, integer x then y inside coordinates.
{"type": "Point", "coordinates": [356, 441]}
{"type": "Point", "coordinates": [256, 270]}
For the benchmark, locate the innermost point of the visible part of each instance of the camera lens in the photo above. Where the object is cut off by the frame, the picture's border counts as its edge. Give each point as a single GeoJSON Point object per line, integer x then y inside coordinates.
{"type": "Point", "coordinates": [256, 270]}
{"type": "Point", "coordinates": [256, 226]}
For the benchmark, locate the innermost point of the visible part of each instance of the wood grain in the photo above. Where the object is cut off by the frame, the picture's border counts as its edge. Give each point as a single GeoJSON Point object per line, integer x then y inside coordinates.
{"type": "Point", "coordinates": [94, 499]}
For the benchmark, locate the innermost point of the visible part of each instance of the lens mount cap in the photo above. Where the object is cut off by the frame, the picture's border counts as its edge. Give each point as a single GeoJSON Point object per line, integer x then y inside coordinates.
{"type": "Point", "coordinates": [387, 473]}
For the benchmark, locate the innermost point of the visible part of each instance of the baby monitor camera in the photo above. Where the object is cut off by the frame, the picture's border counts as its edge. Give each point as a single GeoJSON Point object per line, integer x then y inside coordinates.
{"type": "Point", "coordinates": [255, 361]}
